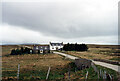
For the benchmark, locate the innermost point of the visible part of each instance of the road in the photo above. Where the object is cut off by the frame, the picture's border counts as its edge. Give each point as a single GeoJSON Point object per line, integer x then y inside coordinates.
{"type": "Point", "coordinates": [111, 66]}
{"type": "Point", "coordinates": [66, 55]}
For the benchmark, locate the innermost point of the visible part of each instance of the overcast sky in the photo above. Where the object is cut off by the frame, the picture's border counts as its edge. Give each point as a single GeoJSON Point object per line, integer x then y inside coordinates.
{"type": "Point", "coordinates": [82, 21]}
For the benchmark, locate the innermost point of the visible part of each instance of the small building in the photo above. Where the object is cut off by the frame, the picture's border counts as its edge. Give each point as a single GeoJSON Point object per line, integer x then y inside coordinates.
{"type": "Point", "coordinates": [41, 49]}
{"type": "Point", "coordinates": [56, 46]}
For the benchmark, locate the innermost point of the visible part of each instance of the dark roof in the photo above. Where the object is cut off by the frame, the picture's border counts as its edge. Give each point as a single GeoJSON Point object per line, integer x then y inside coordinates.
{"type": "Point", "coordinates": [41, 47]}
{"type": "Point", "coordinates": [56, 44]}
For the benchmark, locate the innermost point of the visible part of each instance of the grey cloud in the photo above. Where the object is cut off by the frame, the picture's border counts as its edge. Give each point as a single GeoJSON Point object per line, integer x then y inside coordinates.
{"type": "Point", "coordinates": [64, 20]}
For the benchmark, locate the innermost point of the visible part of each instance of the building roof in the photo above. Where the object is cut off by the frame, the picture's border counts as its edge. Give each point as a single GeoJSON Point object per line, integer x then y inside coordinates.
{"type": "Point", "coordinates": [56, 44]}
{"type": "Point", "coordinates": [41, 47]}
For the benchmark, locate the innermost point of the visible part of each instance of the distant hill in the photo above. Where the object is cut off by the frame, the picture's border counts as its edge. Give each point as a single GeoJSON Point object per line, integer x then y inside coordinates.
{"type": "Point", "coordinates": [89, 45]}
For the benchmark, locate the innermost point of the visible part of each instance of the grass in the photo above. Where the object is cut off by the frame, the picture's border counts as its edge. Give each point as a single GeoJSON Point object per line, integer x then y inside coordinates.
{"type": "Point", "coordinates": [104, 51]}
{"type": "Point", "coordinates": [115, 58]}
{"type": "Point", "coordinates": [81, 74]}
{"type": "Point", "coordinates": [109, 71]}
{"type": "Point", "coordinates": [35, 66]}
{"type": "Point", "coordinates": [97, 53]}
{"type": "Point", "coordinates": [92, 75]}
{"type": "Point", "coordinates": [6, 49]}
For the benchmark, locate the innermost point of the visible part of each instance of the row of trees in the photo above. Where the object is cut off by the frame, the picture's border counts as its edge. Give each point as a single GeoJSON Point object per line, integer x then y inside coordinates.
{"type": "Point", "coordinates": [20, 51]}
{"type": "Point", "coordinates": [75, 47]}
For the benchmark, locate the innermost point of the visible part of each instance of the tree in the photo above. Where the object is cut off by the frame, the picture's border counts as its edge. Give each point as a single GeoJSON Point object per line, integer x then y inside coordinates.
{"type": "Point", "coordinates": [13, 52]}
{"type": "Point", "coordinates": [75, 47]}
{"type": "Point", "coordinates": [17, 51]}
{"type": "Point", "coordinates": [22, 50]}
{"type": "Point", "coordinates": [27, 50]}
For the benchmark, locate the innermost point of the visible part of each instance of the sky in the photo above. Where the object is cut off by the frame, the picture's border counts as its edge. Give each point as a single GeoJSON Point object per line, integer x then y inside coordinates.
{"type": "Point", "coordinates": [42, 21]}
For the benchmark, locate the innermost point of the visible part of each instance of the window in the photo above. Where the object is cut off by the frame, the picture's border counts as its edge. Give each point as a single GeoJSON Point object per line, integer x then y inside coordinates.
{"type": "Point", "coordinates": [45, 47]}
{"type": "Point", "coordinates": [52, 47]}
{"type": "Point", "coordinates": [36, 47]}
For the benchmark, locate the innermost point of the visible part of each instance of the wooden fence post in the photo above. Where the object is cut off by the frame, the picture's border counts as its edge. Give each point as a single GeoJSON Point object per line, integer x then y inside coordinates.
{"type": "Point", "coordinates": [100, 73]}
{"type": "Point", "coordinates": [105, 75]}
{"type": "Point", "coordinates": [110, 77]}
{"type": "Point", "coordinates": [69, 73]}
{"type": "Point", "coordinates": [86, 75]}
{"type": "Point", "coordinates": [48, 73]}
{"type": "Point", "coordinates": [18, 71]}
{"type": "Point", "coordinates": [95, 69]}
{"type": "Point", "coordinates": [75, 70]}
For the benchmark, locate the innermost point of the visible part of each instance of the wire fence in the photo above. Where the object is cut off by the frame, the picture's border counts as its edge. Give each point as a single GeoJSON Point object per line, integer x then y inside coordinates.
{"type": "Point", "coordinates": [17, 74]}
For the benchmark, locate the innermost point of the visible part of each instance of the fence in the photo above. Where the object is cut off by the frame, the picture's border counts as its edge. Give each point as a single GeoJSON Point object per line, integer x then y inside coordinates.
{"type": "Point", "coordinates": [102, 74]}
{"type": "Point", "coordinates": [15, 74]}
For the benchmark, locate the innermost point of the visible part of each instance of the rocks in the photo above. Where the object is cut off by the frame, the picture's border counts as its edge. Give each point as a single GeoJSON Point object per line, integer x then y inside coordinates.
{"type": "Point", "coordinates": [82, 63]}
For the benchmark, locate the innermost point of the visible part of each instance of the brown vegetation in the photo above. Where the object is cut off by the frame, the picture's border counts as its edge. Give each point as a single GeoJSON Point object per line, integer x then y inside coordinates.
{"type": "Point", "coordinates": [38, 63]}
{"type": "Point", "coordinates": [97, 53]}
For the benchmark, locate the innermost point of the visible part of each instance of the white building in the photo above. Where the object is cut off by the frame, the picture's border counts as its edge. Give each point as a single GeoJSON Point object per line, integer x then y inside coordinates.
{"type": "Point", "coordinates": [56, 46]}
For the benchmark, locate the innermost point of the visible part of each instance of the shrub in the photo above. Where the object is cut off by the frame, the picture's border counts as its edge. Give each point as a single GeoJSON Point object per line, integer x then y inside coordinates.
{"type": "Point", "coordinates": [13, 52]}
{"type": "Point", "coordinates": [20, 51]}
{"type": "Point", "coordinates": [75, 47]}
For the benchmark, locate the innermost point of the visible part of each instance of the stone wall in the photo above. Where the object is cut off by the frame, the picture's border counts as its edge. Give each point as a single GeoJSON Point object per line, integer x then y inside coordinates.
{"type": "Point", "coordinates": [82, 63]}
